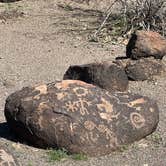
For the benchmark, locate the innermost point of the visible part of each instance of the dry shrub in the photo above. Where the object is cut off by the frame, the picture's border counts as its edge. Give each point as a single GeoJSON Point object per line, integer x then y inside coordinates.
{"type": "Point", "coordinates": [119, 18]}
{"type": "Point", "coordinates": [144, 14]}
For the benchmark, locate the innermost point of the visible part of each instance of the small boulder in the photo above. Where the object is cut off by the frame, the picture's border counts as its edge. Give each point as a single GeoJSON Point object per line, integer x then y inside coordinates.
{"type": "Point", "coordinates": [106, 75]}
{"type": "Point", "coordinates": [144, 69]}
{"type": "Point", "coordinates": [146, 44]}
{"type": "Point", "coordinates": [6, 158]}
{"type": "Point", "coordinates": [80, 117]}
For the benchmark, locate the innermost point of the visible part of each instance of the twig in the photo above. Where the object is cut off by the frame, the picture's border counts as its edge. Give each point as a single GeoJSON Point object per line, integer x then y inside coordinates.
{"type": "Point", "coordinates": [106, 18]}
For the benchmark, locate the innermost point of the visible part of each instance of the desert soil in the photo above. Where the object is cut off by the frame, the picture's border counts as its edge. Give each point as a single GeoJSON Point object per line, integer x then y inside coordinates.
{"type": "Point", "coordinates": [37, 44]}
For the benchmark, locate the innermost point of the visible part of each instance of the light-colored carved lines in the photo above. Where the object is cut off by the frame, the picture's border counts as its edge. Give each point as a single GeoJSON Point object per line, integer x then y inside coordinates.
{"type": "Point", "coordinates": [137, 120]}
{"type": "Point", "coordinates": [105, 105]}
{"type": "Point", "coordinates": [66, 83]}
{"type": "Point", "coordinates": [42, 91]}
{"type": "Point", "coordinates": [136, 102]}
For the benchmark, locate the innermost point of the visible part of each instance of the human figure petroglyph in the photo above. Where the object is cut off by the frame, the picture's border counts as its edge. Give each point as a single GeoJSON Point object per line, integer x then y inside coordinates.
{"type": "Point", "coordinates": [79, 106]}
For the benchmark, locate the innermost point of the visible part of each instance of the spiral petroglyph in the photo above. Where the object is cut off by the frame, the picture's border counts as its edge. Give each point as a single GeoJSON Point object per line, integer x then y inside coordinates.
{"type": "Point", "coordinates": [137, 120]}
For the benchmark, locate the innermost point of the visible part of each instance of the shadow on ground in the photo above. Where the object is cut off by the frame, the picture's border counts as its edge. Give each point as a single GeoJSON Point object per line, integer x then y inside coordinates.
{"type": "Point", "coordinates": [6, 133]}
{"type": "Point", "coordinates": [8, 1]}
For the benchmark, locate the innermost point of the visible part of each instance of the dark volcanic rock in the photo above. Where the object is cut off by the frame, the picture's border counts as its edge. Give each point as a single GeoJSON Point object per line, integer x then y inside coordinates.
{"type": "Point", "coordinates": [144, 69]}
{"type": "Point", "coordinates": [80, 117]}
{"type": "Point", "coordinates": [146, 44]}
{"type": "Point", "coordinates": [106, 75]}
{"type": "Point", "coordinates": [6, 158]}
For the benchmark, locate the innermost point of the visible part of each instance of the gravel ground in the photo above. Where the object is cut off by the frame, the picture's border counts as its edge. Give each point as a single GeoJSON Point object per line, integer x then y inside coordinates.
{"type": "Point", "coordinates": [33, 50]}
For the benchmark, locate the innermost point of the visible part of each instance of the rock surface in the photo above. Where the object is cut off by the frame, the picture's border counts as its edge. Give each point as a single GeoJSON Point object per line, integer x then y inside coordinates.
{"type": "Point", "coordinates": [106, 75]}
{"type": "Point", "coordinates": [6, 159]}
{"type": "Point", "coordinates": [146, 44]}
{"type": "Point", "coordinates": [80, 117]}
{"type": "Point", "coordinates": [144, 69]}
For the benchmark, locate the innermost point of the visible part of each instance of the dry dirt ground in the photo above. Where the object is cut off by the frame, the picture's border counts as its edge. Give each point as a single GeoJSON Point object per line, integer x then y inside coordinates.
{"type": "Point", "coordinates": [38, 41]}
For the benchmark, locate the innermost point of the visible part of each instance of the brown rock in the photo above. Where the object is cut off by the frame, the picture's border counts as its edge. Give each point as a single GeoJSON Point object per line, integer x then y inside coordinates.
{"type": "Point", "coordinates": [144, 69]}
{"type": "Point", "coordinates": [146, 44]}
{"type": "Point", "coordinates": [106, 75]}
{"type": "Point", "coordinates": [80, 117]}
{"type": "Point", "coordinates": [6, 158]}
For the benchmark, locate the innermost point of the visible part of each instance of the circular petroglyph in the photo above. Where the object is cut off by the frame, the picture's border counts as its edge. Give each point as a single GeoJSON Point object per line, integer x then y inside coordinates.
{"type": "Point", "coordinates": [137, 120]}
{"type": "Point", "coordinates": [80, 91]}
{"type": "Point", "coordinates": [89, 125]}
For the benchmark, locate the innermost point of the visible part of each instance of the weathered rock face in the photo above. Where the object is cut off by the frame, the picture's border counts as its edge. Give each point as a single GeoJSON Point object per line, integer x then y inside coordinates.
{"type": "Point", "coordinates": [106, 75]}
{"type": "Point", "coordinates": [144, 69]}
{"type": "Point", "coordinates": [80, 117]}
{"type": "Point", "coordinates": [146, 44]}
{"type": "Point", "coordinates": [6, 159]}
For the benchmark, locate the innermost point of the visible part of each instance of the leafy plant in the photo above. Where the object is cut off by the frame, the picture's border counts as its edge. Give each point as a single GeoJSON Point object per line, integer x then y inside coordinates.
{"type": "Point", "coordinates": [62, 154]}
{"type": "Point", "coordinates": [57, 155]}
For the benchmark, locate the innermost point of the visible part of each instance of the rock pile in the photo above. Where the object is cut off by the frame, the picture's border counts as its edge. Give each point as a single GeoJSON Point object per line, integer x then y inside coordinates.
{"type": "Point", "coordinates": [87, 114]}
{"type": "Point", "coordinates": [144, 53]}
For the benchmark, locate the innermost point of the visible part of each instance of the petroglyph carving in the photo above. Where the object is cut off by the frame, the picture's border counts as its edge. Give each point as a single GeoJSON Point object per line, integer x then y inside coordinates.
{"type": "Point", "coordinates": [137, 120]}
{"type": "Point", "coordinates": [79, 105]}
{"type": "Point", "coordinates": [71, 106]}
{"type": "Point", "coordinates": [43, 106]}
{"type": "Point", "coordinates": [105, 105]}
{"type": "Point", "coordinates": [42, 89]}
{"type": "Point", "coordinates": [60, 96]}
{"type": "Point", "coordinates": [83, 109]}
{"type": "Point", "coordinates": [109, 116]}
{"type": "Point", "coordinates": [104, 129]}
{"type": "Point", "coordinates": [93, 137]}
{"type": "Point", "coordinates": [136, 102]}
{"type": "Point", "coordinates": [80, 91]}
{"type": "Point", "coordinates": [89, 125]}
{"type": "Point", "coordinates": [66, 83]}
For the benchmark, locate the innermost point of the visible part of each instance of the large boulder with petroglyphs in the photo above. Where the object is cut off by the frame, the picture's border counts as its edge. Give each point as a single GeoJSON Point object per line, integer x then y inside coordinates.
{"type": "Point", "coordinates": [80, 117]}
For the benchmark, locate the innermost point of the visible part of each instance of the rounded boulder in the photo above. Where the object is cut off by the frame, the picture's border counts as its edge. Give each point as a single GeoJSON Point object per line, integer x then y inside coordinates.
{"type": "Point", "coordinates": [106, 75]}
{"type": "Point", "coordinates": [80, 117]}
